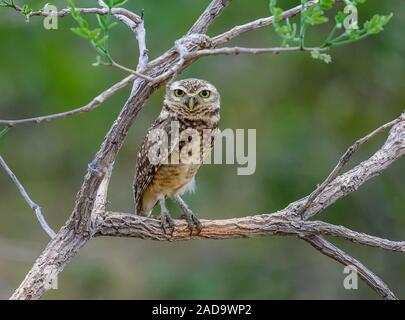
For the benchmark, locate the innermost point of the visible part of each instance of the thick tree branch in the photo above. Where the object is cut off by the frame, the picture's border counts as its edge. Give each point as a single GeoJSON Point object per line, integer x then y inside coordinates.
{"type": "Point", "coordinates": [208, 16]}
{"type": "Point", "coordinates": [115, 224]}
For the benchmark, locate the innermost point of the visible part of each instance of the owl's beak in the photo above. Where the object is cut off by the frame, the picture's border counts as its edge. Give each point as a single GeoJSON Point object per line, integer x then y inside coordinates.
{"type": "Point", "coordinates": [191, 103]}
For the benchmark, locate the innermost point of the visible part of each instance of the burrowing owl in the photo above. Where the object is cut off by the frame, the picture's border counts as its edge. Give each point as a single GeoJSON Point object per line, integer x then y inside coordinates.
{"type": "Point", "coordinates": [175, 147]}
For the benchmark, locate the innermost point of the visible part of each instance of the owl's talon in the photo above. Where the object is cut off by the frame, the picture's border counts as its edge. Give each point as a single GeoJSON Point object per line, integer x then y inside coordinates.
{"type": "Point", "coordinates": [189, 216]}
{"type": "Point", "coordinates": [192, 221]}
{"type": "Point", "coordinates": [167, 223]}
{"type": "Point", "coordinates": [197, 223]}
{"type": "Point", "coordinates": [190, 224]}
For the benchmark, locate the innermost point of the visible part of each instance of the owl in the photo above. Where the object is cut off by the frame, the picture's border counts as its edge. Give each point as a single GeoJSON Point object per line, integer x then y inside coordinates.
{"type": "Point", "coordinates": [174, 149]}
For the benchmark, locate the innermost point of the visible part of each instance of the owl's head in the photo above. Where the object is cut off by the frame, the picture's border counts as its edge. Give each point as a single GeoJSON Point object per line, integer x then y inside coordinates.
{"type": "Point", "coordinates": [192, 98]}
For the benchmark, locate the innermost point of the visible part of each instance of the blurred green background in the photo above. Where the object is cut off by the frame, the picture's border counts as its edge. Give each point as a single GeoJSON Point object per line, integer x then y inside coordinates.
{"type": "Point", "coordinates": [306, 114]}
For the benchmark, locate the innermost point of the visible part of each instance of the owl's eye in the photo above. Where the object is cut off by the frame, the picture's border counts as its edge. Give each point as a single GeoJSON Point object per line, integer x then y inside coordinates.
{"type": "Point", "coordinates": [205, 94]}
{"type": "Point", "coordinates": [179, 93]}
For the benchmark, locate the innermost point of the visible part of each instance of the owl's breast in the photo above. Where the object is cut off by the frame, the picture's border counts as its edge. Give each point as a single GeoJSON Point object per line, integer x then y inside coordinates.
{"type": "Point", "coordinates": [171, 179]}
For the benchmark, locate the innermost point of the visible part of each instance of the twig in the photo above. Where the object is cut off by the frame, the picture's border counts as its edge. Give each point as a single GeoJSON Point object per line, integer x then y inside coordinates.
{"type": "Point", "coordinates": [136, 73]}
{"type": "Point", "coordinates": [243, 50]}
{"type": "Point", "coordinates": [100, 11]}
{"type": "Point", "coordinates": [344, 160]}
{"type": "Point", "coordinates": [372, 280]}
{"type": "Point", "coordinates": [27, 198]}
{"type": "Point", "coordinates": [128, 19]}
{"type": "Point", "coordinates": [93, 104]}
{"type": "Point", "coordinates": [323, 228]}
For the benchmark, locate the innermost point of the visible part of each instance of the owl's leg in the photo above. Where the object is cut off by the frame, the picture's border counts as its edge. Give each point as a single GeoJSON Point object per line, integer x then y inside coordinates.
{"type": "Point", "coordinates": [190, 216]}
{"type": "Point", "coordinates": [165, 218]}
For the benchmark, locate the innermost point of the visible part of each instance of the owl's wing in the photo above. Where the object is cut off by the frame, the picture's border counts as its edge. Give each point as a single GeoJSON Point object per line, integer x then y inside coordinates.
{"type": "Point", "coordinates": [145, 169]}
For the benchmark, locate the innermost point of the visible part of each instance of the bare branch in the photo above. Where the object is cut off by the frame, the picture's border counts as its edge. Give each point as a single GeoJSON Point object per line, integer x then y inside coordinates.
{"type": "Point", "coordinates": [117, 12]}
{"type": "Point", "coordinates": [143, 50]}
{"type": "Point", "coordinates": [116, 224]}
{"type": "Point", "coordinates": [135, 73]}
{"type": "Point", "coordinates": [93, 104]}
{"type": "Point", "coordinates": [323, 228]}
{"type": "Point", "coordinates": [214, 9]}
{"type": "Point", "coordinates": [372, 280]}
{"type": "Point", "coordinates": [32, 204]}
{"type": "Point", "coordinates": [378, 162]}
{"type": "Point", "coordinates": [345, 159]}
{"type": "Point", "coordinates": [242, 50]}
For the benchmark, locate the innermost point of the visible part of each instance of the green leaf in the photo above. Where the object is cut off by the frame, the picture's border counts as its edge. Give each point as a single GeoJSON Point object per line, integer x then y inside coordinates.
{"type": "Point", "coordinates": [315, 15]}
{"type": "Point", "coordinates": [94, 34]}
{"type": "Point", "coordinates": [26, 10]}
{"type": "Point", "coordinates": [118, 3]}
{"type": "Point", "coordinates": [321, 56]}
{"type": "Point", "coordinates": [81, 32]}
{"type": "Point", "coordinates": [71, 6]}
{"type": "Point", "coordinates": [112, 25]}
{"type": "Point", "coordinates": [275, 11]}
{"type": "Point", "coordinates": [326, 4]}
{"type": "Point", "coordinates": [354, 34]}
{"type": "Point", "coordinates": [102, 21]}
{"type": "Point", "coordinates": [376, 23]}
{"type": "Point", "coordinates": [339, 19]}
{"type": "Point", "coordinates": [8, 4]}
{"type": "Point", "coordinates": [101, 42]}
{"type": "Point", "coordinates": [109, 3]}
{"type": "Point", "coordinates": [278, 14]}
{"type": "Point", "coordinates": [283, 30]}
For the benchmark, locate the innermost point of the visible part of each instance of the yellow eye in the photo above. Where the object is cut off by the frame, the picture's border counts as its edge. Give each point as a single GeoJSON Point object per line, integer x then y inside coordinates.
{"type": "Point", "coordinates": [205, 94]}
{"type": "Point", "coordinates": [179, 93]}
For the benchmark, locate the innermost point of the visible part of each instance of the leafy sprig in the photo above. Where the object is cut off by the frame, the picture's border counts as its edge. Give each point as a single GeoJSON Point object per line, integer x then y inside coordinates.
{"type": "Point", "coordinates": [316, 15]}
{"type": "Point", "coordinates": [8, 4]}
{"type": "Point", "coordinates": [98, 37]}
{"type": "Point", "coordinates": [285, 29]}
{"type": "Point", "coordinates": [25, 9]}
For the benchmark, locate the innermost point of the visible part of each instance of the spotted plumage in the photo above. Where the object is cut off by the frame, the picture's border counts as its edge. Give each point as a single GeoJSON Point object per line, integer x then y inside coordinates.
{"type": "Point", "coordinates": [174, 148]}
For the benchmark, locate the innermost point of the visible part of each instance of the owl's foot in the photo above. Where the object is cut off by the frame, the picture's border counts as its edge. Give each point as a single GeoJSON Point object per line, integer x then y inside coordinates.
{"type": "Point", "coordinates": [192, 221]}
{"type": "Point", "coordinates": [165, 218]}
{"type": "Point", "coordinates": [167, 222]}
{"type": "Point", "coordinates": [189, 216]}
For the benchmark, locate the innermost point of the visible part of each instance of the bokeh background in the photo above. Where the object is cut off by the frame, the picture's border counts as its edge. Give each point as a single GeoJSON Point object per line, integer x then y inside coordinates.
{"type": "Point", "coordinates": [306, 114]}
